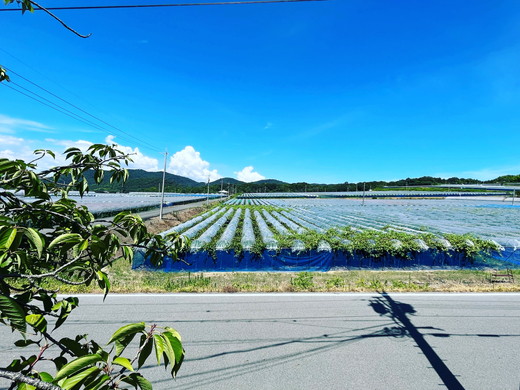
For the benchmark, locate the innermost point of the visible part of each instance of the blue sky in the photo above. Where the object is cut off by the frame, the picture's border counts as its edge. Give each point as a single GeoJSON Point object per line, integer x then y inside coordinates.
{"type": "Point", "coordinates": [332, 91]}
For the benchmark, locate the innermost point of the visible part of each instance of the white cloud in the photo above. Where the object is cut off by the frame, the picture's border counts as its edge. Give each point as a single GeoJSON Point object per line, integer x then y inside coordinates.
{"type": "Point", "coordinates": [15, 148]}
{"type": "Point", "coordinates": [268, 125]}
{"type": "Point", "coordinates": [188, 163]}
{"type": "Point", "coordinates": [80, 144]}
{"type": "Point", "coordinates": [248, 175]}
{"type": "Point", "coordinates": [23, 149]}
{"type": "Point", "coordinates": [140, 161]}
{"type": "Point", "coordinates": [10, 140]}
{"type": "Point", "coordinates": [10, 125]}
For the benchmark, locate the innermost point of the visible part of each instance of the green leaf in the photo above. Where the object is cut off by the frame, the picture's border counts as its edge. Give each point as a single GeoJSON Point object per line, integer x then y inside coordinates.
{"type": "Point", "coordinates": [159, 347]}
{"type": "Point", "coordinates": [10, 309]}
{"type": "Point", "coordinates": [145, 352]}
{"type": "Point", "coordinates": [66, 238]}
{"type": "Point", "coordinates": [126, 330]}
{"type": "Point", "coordinates": [7, 237]}
{"type": "Point", "coordinates": [75, 379]}
{"type": "Point", "coordinates": [168, 351]}
{"type": "Point", "coordinates": [25, 386]}
{"type": "Point", "coordinates": [123, 362]}
{"type": "Point", "coordinates": [137, 380]}
{"type": "Point", "coordinates": [96, 383]}
{"type": "Point", "coordinates": [103, 282]}
{"type": "Point", "coordinates": [128, 253]}
{"type": "Point", "coordinates": [121, 344]}
{"type": "Point", "coordinates": [37, 321]}
{"type": "Point", "coordinates": [174, 339]}
{"type": "Point", "coordinates": [36, 240]}
{"type": "Point", "coordinates": [46, 377]}
{"type": "Point", "coordinates": [24, 343]}
{"type": "Point", "coordinates": [83, 246]}
{"type": "Point", "coordinates": [76, 365]}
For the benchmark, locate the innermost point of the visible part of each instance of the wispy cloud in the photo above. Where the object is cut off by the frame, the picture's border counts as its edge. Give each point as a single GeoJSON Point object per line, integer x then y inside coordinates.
{"type": "Point", "coordinates": [268, 125]}
{"type": "Point", "coordinates": [10, 125]}
{"type": "Point", "coordinates": [340, 121]}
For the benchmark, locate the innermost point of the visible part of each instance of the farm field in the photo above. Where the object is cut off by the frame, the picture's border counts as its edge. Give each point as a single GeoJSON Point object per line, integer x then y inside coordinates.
{"type": "Point", "coordinates": [317, 234]}
{"type": "Point", "coordinates": [101, 204]}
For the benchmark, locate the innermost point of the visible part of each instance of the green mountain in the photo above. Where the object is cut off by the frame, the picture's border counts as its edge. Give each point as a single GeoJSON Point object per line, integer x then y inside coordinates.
{"type": "Point", "coordinates": [143, 181]}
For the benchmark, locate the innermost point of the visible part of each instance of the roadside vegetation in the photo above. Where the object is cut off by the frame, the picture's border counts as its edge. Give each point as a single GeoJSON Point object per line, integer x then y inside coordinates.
{"type": "Point", "coordinates": [126, 280]}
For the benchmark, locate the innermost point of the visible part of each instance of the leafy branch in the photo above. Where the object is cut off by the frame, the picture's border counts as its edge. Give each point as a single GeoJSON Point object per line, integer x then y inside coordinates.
{"type": "Point", "coordinates": [56, 238]}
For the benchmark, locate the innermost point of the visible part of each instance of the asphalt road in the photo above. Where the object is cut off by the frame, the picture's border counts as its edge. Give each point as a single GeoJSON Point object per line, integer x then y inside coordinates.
{"type": "Point", "coordinates": [155, 212]}
{"type": "Point", "coordinates": [321, 341]}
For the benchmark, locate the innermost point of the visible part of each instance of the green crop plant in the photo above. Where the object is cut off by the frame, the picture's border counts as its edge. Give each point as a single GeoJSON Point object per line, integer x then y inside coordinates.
{"type": "Point", "coordinates": [211, 246]}
{"type": "Point", "coordinates": [259, 246]}
{"type": "Point", "coordinates": [470, 245]}
{"type": "Point", "coordinates": [236, 243]}
{"type": "Point", "coordinates": [258, 208]}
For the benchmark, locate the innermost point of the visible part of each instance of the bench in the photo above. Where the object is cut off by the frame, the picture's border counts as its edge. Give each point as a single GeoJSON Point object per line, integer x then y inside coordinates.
{"type": "Point", "coordinates": [502, 276]}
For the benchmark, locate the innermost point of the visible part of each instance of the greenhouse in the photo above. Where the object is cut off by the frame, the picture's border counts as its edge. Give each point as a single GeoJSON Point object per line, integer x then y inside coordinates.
{"type": "Point", "coordinates": [307, 233]}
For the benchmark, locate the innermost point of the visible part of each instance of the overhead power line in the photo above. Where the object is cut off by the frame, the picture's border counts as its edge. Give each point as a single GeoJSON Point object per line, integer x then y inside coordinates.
{"type": "Point", "coordinates": [50, 105]}
{"type": "Point", "coordinates": [164, 5]}
{"type": "Point", "coordinates": [79, 109]}
{"type": "Point", "coordinates": [77, 116]}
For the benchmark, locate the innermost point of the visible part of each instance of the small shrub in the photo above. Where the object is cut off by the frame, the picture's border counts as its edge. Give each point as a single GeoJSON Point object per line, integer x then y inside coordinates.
{"type": "Point", "coordinates": [303, 281]}
{"type": "Point", "coordinates": [335, 282]}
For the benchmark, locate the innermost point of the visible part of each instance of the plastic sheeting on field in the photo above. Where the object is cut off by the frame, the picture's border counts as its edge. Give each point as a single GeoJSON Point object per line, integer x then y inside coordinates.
{"type": "Point", "coordinates": [286, 260]}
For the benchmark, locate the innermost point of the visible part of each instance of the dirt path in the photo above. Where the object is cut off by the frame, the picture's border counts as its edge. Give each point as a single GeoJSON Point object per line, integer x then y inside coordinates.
{"type": "Point", "coordinates": [155, 225]}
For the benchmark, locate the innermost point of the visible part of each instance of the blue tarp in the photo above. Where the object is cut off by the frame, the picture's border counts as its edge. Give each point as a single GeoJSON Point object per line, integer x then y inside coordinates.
{"type": "Point", "coordinates": [286, 260]}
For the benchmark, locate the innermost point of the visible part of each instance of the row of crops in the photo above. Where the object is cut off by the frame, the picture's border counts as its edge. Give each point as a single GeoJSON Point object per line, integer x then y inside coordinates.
{"type": "Point", "coordinates": [376, 230]}
{"type": "Point", "coordinates": [102, 205]}
{"type": "Point", "coordinates": [377, 194]}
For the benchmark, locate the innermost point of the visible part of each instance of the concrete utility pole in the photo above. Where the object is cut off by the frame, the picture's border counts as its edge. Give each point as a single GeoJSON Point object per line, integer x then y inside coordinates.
{"type": "Point", "coordinates": [363, 194]}
{"type": "Point", "coordinates": [163, 180]}
{"type": "Point", "coordinates": [207, 197]}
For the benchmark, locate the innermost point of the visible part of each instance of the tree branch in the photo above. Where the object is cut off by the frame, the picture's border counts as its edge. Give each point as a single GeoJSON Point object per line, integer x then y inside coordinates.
{"type": "Point", "coordinates": [59, 20]}
{"type": "Point", "coordinates": [53, 274]}
{"type": "Point", "coordinates": [17, 377]}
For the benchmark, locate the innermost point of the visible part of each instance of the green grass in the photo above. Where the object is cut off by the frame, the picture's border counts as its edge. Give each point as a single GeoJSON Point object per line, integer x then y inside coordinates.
{"type": "Point", "coordinates": [125, 280]}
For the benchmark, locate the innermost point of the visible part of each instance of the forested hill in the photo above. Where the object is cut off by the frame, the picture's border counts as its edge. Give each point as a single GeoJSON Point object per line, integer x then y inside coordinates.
{"type": "Point", "coordinates": [143, 181]}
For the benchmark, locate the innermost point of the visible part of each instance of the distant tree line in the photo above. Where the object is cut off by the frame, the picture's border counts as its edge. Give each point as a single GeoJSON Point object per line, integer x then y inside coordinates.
{"type": "Point", "coordinates": [142, 181]}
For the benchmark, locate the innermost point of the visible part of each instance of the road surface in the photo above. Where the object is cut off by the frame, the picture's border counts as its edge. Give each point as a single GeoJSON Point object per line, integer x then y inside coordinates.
{"type": "Point", "coordinates": [321, 341]}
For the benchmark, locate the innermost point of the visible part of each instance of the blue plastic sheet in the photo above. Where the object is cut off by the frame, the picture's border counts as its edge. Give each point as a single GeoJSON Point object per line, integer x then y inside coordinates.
{"type": "Point", "coordinates": [286, 260]}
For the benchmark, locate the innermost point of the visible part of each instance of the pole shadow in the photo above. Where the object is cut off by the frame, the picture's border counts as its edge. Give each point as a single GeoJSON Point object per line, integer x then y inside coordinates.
{"type": "Point", "coordinates": [386, 306]}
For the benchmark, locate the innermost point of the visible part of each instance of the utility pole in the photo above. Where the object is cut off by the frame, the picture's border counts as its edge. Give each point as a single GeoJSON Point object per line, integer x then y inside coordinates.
{"type": "Point", "coordinates": [363, 194]}
{"type": "Point", "coordinates": [207, 197]}
{"type": "Point", "coordinates": [163, 180]}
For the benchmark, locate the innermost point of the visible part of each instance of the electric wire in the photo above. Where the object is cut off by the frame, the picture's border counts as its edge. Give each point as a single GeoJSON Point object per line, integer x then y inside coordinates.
{"type": "Point", "coordinates": [54, 107]}
{"type": "Point", "coordinates": [62, 110]}
{"type": "Point", "coordinates": [90, 123]}
{"type": "Point", "coordinates": [36, 70]}
{"type": "Point", "coordinates": [80, 109]}
{"type": "Point", "coordinates": [130, 138]}
{"type": "Point", "coordinates": [164, 5]}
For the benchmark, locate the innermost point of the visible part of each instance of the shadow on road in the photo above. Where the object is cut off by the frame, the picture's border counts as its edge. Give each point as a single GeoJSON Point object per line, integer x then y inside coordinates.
{"type": "Point", "coordinates": [398, 325]}
{"type": "Point", "coordinates": [385, 305]}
